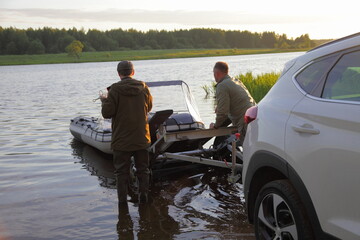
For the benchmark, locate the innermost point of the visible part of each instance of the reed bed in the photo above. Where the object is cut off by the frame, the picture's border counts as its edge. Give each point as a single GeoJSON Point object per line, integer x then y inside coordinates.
{"type": "Point", "coordinates": [258, 85]}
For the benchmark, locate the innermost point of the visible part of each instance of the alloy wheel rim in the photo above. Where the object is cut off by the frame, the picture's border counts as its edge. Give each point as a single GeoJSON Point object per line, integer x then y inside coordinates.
{"type": "Point", "coordinates": [275, 219]}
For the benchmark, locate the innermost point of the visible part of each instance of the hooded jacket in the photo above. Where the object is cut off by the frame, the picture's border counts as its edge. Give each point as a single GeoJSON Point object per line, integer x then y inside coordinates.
{"type": "Point", "coordinates": [128, 103]}
{"type": "Point", "coordinates": [233, 99]}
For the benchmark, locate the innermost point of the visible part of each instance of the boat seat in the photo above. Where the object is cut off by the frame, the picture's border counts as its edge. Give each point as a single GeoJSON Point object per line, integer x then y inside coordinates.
{"type": "Point", "coordinates": [156, 120]}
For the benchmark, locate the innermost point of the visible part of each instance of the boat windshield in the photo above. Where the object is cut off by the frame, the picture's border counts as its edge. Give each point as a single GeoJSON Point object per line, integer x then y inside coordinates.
{"type": "Point", "coordinates": [175, 95]}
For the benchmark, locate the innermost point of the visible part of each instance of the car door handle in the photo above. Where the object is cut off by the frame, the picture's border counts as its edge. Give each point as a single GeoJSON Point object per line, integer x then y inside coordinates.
{"type": "Point", "coordinates": [306, 128]}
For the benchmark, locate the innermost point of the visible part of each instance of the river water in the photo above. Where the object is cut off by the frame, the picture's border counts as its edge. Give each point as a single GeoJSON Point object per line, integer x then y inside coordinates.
{"type": "Point", "coordinates": [53, 187]}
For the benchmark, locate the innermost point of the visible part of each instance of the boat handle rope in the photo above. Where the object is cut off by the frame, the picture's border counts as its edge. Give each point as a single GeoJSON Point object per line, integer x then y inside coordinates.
{"type": "Point", "coordinates": [101, 93]}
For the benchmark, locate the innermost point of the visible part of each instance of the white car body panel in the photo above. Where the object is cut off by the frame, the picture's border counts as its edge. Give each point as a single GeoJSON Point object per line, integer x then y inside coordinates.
{"type": "Point", "coordinates": [328, 162]}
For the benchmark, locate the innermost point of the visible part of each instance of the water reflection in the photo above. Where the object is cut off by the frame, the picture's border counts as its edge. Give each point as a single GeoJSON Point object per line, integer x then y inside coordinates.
{"type": "Point", "coordinates": [97, 163]}
{"type": "Point", "coordinates": [187, 201]}
{"type": "Point", "coordinates": [154, 222]}
{"type": "Point", "coordinates": [125, 226]}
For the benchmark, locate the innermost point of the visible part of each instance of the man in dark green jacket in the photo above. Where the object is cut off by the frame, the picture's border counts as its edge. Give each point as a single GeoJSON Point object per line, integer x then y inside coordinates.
{"type": "Point", "coordinates": [128, 103]}
{"type": "Point", "coordinates": [232, 99]}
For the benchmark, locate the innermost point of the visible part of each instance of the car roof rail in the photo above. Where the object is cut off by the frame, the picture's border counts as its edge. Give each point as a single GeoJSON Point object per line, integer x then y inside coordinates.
{"type": "Point", "coordinates": [335, 41]}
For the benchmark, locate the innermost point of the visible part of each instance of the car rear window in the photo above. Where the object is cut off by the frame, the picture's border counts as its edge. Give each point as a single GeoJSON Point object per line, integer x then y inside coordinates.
{"type": "Point", "coordinates": [343, 81]}
{"type": "Point", "coordinates": [310, 76]}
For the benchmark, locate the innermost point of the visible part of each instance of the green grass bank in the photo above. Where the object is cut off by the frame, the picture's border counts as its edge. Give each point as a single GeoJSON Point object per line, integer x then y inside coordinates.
{"type": "Point", "coordinates": [131, 55]}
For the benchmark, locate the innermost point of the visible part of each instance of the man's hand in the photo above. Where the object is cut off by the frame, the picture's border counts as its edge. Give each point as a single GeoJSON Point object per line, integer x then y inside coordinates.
{"type": "Point", "coordinates": [102, 97]}
{"type": "Point", "coordinates": [212, 125]}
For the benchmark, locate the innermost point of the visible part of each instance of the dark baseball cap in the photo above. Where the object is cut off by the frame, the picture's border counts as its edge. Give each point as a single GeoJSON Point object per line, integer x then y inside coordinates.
{"type": "Point", "coordinates": [125, 65]}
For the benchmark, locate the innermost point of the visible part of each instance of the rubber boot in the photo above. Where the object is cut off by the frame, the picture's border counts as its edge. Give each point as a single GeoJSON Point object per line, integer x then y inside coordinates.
{"type": "Point", "coordinates": [122, 189]}
{"type": "Point", "coordinates": [143, 198]}
{"type": "Point", "coordinates": [143, 188]}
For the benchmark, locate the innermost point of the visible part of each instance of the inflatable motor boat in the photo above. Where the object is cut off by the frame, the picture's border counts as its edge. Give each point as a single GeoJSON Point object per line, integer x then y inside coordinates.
{"type": "Point", "coordinates": [96, 132]}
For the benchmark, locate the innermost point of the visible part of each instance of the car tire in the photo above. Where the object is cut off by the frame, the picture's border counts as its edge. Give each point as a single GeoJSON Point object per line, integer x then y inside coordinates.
{"type": "Point", "coordinates": [279, 213]}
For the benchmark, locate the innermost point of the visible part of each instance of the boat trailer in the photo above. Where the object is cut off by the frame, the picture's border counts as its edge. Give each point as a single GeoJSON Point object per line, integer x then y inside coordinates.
{"type": "Point", "coordinates": [207, 156]}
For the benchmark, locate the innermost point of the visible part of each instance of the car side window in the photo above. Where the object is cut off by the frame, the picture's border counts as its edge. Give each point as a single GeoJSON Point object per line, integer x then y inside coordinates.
{"type": "Point", "coordinates": [343, 81]}
{"type": "Point", "coordinates": [309, 77]}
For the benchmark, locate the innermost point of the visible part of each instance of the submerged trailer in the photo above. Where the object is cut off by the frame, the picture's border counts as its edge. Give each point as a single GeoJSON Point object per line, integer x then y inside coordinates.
{"type": "Point", "coordinates": [217, 156]}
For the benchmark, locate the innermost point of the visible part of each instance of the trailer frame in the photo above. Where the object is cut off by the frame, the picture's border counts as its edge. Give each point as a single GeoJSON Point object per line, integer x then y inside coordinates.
{"type": "Point", "coordinates": [201, 155]}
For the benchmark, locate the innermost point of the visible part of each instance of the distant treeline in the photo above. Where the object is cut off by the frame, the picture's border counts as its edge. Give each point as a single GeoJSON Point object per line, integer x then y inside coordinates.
{"type": "Point", "coordinates": [51, 40]}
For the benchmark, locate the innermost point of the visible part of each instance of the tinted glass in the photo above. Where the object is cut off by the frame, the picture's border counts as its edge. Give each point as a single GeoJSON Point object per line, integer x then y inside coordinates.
{"type": "Point", "coordinates": [343, 82]}
{"type": "Point", "coordinates": [312, 74]}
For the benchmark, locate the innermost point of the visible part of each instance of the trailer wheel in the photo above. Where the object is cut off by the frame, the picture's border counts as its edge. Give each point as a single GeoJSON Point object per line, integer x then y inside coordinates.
{"type": "Point", "coordinates": [223, 146]}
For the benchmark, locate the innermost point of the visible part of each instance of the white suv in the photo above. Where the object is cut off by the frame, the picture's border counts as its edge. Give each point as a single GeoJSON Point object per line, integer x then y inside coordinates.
{"type": "Point", "coordinates": [301, 170]}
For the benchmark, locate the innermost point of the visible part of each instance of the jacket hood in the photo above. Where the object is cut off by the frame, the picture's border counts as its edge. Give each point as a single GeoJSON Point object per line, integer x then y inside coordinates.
{"type": "Point", "coordinates": [129, 87]}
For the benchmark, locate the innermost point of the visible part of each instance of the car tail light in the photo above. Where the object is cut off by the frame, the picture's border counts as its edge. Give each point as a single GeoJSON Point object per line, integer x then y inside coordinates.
{"type": "Point", "coordinates": [250, 114]}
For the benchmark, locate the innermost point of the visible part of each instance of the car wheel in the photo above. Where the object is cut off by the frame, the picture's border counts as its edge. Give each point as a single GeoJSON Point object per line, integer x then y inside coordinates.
{"type": "Point", "coordinates": [279, 213]}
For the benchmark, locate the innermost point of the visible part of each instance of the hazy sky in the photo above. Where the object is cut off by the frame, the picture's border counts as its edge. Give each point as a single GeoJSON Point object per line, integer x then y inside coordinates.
{"type": "Point", "coordinates": [319, 18]}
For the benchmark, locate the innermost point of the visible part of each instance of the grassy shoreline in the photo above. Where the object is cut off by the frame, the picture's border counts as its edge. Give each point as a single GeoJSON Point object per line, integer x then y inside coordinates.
{"type": "Point", "coordinates": [131, 55]}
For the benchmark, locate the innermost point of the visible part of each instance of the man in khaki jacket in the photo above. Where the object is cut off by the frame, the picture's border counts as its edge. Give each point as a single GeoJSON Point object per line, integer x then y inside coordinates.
{"type": "Point", "coordinates": [128, 103]}
{"type": "Point", "coordinates": [232, 98]}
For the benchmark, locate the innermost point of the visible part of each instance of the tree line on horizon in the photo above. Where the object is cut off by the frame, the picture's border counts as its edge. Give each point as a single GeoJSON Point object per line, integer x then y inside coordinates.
{"type": "Point", "coordinates": [53, 40]}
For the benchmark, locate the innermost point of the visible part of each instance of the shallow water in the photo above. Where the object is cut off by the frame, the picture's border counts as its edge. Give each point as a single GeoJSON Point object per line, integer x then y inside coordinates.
{"type": "Point", "coordinates": [53, 187]}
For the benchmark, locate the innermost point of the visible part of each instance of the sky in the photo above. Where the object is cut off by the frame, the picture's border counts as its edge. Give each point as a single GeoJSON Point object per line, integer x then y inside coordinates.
{"type": "Point", "coordinates": [321, 19]}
